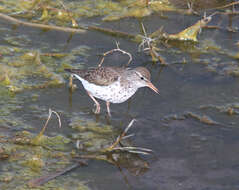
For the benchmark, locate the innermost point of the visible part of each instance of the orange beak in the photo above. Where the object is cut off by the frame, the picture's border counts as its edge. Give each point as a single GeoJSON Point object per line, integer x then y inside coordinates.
{"type": "Point", "coordinates": [150, 85]}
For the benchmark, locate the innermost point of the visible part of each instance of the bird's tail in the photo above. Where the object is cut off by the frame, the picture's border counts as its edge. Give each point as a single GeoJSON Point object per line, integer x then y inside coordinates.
{"type": "Point", "coordinates": [75, 71]}
{"type": "Point", "coordinates": [69, 70]}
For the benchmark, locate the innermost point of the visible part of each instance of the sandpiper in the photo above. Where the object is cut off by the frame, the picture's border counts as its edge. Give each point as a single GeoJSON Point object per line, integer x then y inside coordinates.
{"type": "Point", "coordinates": [112, 84]}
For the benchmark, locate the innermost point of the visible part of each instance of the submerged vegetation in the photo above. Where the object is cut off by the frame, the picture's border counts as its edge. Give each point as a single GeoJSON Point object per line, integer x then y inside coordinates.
{"type": "Point", "coordinates": [27, 66]}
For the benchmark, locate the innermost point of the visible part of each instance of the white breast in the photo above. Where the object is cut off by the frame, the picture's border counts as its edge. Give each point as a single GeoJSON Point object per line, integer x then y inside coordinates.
{"type": "Point", "coordinates": [114, 93]}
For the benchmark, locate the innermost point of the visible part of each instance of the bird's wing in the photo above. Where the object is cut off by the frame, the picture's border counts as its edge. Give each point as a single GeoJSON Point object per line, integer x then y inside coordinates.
{"type": "Point", "coordinates": [102, 76]}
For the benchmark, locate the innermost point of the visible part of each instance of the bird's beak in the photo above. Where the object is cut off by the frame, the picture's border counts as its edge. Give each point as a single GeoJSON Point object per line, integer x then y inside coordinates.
{"type": "Point", "coordinates": [150, 85]}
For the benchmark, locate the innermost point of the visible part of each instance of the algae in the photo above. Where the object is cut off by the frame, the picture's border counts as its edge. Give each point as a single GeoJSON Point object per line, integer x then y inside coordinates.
{"type": "Point", "coordinates": [69, 12]}
{"type": "Point", "coordinates": [28, 159]}
{"type": "Point", "coordinates": [32, 69]}
{"type": "Point", "coordinates": [25, 68]}
{"type": "Point", "coordinates": [229, 109]}
{"type": "Point", "coordinates": [92, 136]}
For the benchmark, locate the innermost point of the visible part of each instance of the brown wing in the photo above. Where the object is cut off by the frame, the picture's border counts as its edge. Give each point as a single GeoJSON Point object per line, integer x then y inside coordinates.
{"type": "Point", "coordinates": [102, 76]}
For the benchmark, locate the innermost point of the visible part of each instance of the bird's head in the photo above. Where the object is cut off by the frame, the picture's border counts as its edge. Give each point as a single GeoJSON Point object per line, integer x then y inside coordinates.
{"type": "Point", "coordinates": [143, 78]}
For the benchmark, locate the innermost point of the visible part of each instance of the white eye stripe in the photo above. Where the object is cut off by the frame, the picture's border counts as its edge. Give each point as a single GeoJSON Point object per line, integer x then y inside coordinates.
{"type": "Point", "coordinates": [138, 74]}
{"type": "Point", "coordinates": [141, 76]}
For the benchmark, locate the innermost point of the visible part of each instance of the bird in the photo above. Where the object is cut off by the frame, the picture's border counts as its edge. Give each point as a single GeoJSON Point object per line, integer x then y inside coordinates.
{"type": "Point", "coordinates": [112, 84]}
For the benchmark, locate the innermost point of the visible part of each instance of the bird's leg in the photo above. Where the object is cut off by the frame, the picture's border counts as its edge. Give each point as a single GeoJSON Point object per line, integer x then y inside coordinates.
{"type": "Point", "coordinates": [108, 108]}
{"type": "Point", "coordinates": [97, 110]}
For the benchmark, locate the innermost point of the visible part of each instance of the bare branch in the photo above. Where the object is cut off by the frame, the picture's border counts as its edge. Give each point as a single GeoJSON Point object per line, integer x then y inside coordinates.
{"type": "Point", "coordinates": [150, 46]}
{"type": "Point", "coordinates": [44, 179]}
{"type": "Point", "coordinates": [49, 117]}
{"type": "Point", "coordinates": [128, 136]}
{"type": "Point", "coordinates": [136, 150]}
{"type": "Point", "coordinates": [58, 117]}
{"type": "Point", "coordinates": [225, 6]}
{"type": "Point", "coordinates": [119, 138]}
{"type": "Point", "coordinates": [41, 26]}
{"type": "Point", "coordinates": [114, 50]}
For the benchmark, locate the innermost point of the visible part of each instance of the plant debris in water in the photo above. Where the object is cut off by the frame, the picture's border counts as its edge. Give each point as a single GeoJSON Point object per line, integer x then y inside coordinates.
{"type": "Point", "coordinates": [25, 155]}
{"type": "Point", "coordinates": [28, 159]}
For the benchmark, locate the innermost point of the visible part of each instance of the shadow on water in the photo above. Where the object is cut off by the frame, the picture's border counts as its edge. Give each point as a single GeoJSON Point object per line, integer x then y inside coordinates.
{"type": "Point", "coordinates": [191, 126]}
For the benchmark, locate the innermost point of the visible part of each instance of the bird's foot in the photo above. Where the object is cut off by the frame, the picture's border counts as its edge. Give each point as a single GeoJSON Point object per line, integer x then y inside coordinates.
{"type": "Point", "coordinates": [109, 114]}
{"type": "Point", "coordinates": [97, 110]}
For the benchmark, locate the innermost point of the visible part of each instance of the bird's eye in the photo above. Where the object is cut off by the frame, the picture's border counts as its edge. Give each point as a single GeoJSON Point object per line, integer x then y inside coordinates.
{"type": "Point", "coordinates": [142, 78]}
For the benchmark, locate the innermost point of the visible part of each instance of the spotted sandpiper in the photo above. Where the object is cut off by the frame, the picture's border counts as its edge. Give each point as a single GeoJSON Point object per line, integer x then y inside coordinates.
{"type": "Point", "coordinates": [112, 84]}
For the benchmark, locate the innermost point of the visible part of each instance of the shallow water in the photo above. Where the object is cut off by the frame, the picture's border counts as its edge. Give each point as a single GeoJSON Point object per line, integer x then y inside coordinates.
{"type": "Point", "coordinates": [189, 151]}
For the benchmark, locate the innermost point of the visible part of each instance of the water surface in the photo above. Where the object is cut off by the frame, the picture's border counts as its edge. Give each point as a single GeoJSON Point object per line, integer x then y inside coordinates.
{"type": "Point", "coordinates": [199, 81]}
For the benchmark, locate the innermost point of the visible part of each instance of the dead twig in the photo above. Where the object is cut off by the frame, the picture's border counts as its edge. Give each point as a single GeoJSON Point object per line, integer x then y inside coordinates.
{"type": "Point", "coordinates": [114, 50]}
{"type": "Point", "coordinates": [136, 150]}
{"type": "Point", "coordinates": [225, 6]}
{"type": "Point", "coordinates": [119, 138]}
{"type": "Point", "coordinates": [42, 26]}
{"type": "Point", "coordinates": [112, 32]}
{"type": "Point", "coordinates": [130, 149]}
{"type": "Point", "coordinates": [145, 39]}
{"type": "Point", "coordinates": [152, 49]}
{"type": "Point", "coordinates": [80, 29]}
{"type": "Point", "coordinates": [190, 9]}
{"type": "Point", "coordinates": [114, 148]}
{"type": "Point", "coordinates": [128, 136]}
{"type": "Point", "coordinates": [44, 179]}
{"type": "Point", "coordinates": [49, 117]}
{"type": "Point", "coordinates": [228, 29]}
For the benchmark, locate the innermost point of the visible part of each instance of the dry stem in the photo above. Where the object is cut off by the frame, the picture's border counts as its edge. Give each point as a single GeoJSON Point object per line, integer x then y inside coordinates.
{"type": "Point", "coordinates": [130, 149]}
{"type": "Point", "coordinates": [148, 41]}
{"type": "Point", "coordinates": [44, 179]}
{"type": "Point", "coordinates": [114, 50]}
{"type": "Point", "coordinates": [49, 117]}
{"type": "Point", "coordinates": [225, 6]}
{"type": "Point", "coordinates": [119, 138]}
{"type": "Point", "coordinates": [41, 26]}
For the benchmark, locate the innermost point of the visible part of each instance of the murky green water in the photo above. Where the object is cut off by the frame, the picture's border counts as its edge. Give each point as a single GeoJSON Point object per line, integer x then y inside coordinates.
{"type": "Point", "coordinates": [192, 126]}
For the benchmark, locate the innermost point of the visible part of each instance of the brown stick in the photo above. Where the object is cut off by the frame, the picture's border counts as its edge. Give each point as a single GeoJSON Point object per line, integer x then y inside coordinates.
{"type": "Point", "coordinates": [121, 136]}
{"type": "Point", "coordinates": [225, 6]}
{"type": "Point", "coordinates": [67, 29]}
{"type": "Point", "coordinates": [41, 26]}
{"type": "Point", "coordinates": [112, 32]}
{"type": "Point", "coordinates": [114, 50]}
{"type": "Point", "coordinates": [44, 179]}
